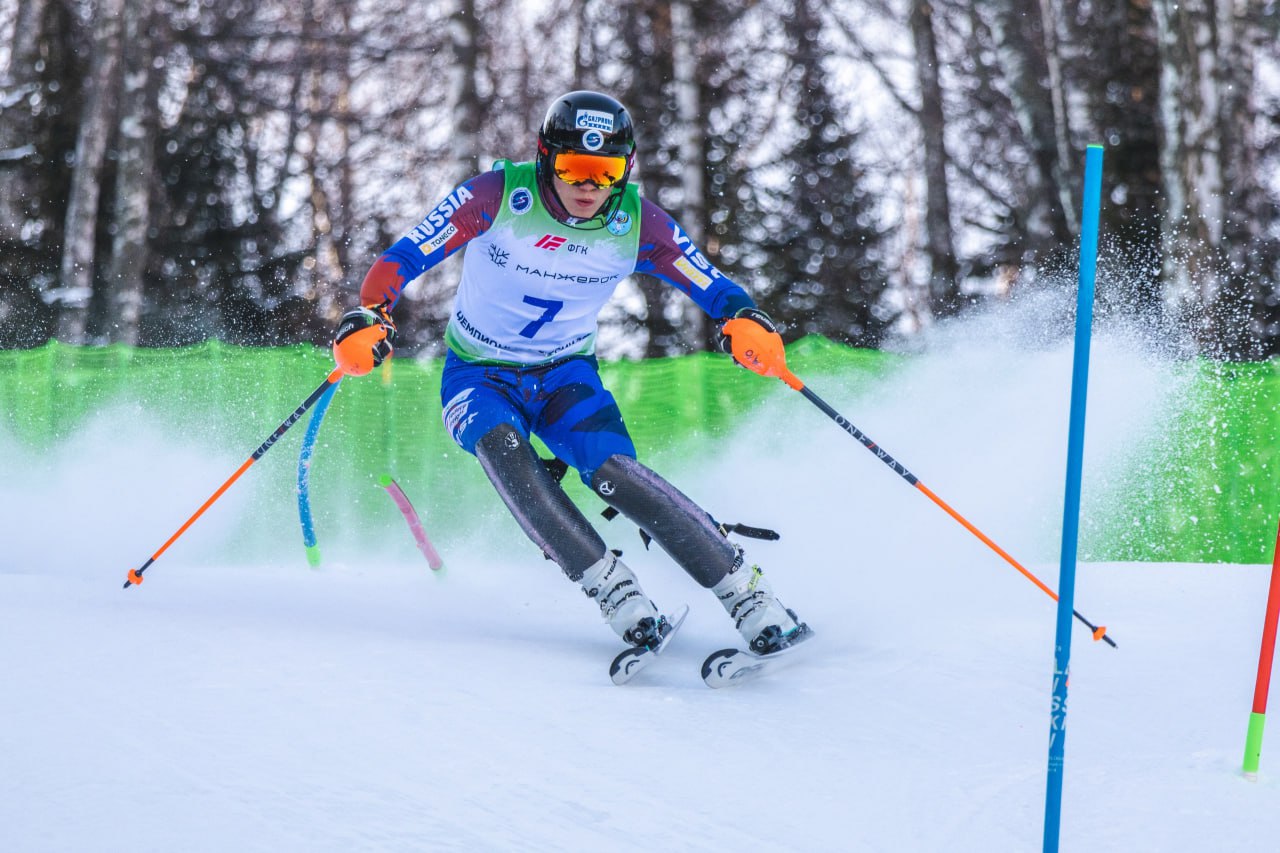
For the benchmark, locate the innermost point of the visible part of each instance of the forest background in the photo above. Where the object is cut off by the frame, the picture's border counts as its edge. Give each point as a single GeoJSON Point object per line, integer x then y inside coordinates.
{"type": "Point", "coordinates": [173, 171]}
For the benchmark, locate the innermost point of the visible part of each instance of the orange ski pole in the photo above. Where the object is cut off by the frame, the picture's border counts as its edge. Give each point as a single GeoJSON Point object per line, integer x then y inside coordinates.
{"type": "Point", "coordinates": [135, 575]}
{"type": "Point", "coordinates": [761, 352]}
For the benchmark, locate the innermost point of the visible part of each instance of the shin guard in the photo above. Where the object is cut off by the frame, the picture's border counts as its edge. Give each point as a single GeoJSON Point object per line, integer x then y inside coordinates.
{"type": "Point", "coordinates": [540, 506]}
{"type": "Point", "coordinates": [680, 526]}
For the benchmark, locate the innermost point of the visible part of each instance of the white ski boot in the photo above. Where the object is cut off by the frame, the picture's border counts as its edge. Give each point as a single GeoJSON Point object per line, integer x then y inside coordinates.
{"type": "Point", "coordinates": [764, 623]}
{"type": "Point", "coordinates": [623, 604]}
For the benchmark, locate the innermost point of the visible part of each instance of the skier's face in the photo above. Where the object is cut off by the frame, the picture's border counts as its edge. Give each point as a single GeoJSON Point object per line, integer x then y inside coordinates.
{"type": "Point", "coordinates": [581, 200]}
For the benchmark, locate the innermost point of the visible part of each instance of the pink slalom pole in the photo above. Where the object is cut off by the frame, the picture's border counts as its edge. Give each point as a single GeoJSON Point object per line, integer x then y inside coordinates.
{"type": "Point", "coordinates": [1257, 719]}
{"type": "Point", "coordinates": [411, 518]}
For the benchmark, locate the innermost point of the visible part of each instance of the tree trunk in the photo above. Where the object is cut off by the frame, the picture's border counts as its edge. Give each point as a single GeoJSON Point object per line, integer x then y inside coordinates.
{"type": "Point", "coordinates": [944, 287]}
{"type": "Point", "coordinates": [1020, 36]}
{"type": "Point", "coordinates": [690, 123]}
{"type": "Point", "coordinates": [76, 281]}
{"type": "Point", "coordinates": [649, 52]}
{"type": "Point", "coordinates": [584, 48]}
{"type": "Point", "coordinates": [135, 168]}
{"type": "Point", "coordinates": [1049, 20]}
{"type": "Point", "coordinates": [331, 300]}
{"type": "Point", "coordinates": [1238, 313]}
{"type": "Point", "coordinates": [1190, 157]}
{"type": "Point", "coordinates": [464, 98]}
{"type": "Point", "coordinates": [18, 83]}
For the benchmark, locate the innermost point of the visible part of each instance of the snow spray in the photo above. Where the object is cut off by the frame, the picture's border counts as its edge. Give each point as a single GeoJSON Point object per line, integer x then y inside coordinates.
{"type": "Point", "coordinates": [1253, 741]}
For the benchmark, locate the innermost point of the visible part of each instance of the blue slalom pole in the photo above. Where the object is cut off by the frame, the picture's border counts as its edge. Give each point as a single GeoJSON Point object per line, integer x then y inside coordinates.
{"type": "Point", "coordinates": [304, 476]}
{"type": "Point", "coordinates": [1071, 507]}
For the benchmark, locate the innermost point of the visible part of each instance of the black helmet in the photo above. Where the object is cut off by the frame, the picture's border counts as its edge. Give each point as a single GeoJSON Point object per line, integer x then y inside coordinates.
{"type": "Point", "coordinates": [590, 123]}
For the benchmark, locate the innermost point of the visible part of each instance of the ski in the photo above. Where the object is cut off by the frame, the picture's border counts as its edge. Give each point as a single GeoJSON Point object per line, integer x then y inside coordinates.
{"type": "Point", "coordinates": [728, 667]}
{"type": "Point", "coordinates": [629, 664]}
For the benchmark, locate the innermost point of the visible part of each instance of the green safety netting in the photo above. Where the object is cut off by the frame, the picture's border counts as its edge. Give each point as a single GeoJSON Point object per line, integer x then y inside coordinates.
{"type": "Point", "coordinates": [1202, 490]}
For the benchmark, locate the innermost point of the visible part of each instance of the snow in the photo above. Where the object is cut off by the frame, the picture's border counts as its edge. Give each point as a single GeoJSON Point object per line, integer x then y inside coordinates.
{"type": "Point", "coordinates": [372, 705]}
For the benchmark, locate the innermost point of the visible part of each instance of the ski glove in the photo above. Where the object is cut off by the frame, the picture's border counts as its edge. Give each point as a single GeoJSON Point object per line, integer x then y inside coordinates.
{"type": "Point", "coordinates": [363, 339]}
{"type": "Point", "coordinates": [751, 337]}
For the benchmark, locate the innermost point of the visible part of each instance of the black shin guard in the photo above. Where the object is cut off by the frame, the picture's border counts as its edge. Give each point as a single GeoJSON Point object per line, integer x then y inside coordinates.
{"type": "Point", "coordinates": [680, 526]}
{"type": "Point", "coordinates": [543, 510]}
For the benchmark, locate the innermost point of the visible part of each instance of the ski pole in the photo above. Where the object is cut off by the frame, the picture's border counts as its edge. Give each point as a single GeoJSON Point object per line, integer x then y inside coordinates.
{"type": "Point", "coordinates": [764, 355]}
{"type": "Point", "coordinates": [1099, 632]}
{"type": "Point", "coordinates": [135, 575]}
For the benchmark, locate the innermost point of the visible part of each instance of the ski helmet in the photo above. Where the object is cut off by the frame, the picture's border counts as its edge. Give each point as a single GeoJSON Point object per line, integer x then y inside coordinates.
{"type": "Point", "coordinates": [586, 123]}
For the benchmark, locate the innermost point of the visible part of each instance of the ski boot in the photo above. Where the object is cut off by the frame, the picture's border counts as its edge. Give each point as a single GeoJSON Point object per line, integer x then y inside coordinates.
{"type": "Point", "coordinates": [765, 624]}
{"type": "Point", "coordinates": [623, 604]}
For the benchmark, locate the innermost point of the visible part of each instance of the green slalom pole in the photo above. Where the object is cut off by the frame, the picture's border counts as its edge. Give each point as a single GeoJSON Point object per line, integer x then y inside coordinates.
{"type": "Point", "coordinates": [1258, 718]}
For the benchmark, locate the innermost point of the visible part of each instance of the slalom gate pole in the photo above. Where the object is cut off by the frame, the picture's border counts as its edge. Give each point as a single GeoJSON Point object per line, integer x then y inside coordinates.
{"type": "Point", "coordinates": [135, 575]}
{"type": "Point", "coordinates": [415, 524]}
{"type": "Point", "coordinates": [304, 475]}
{"type": "Point", "coordinates": [1253, 741]}
{"type": "Point", "coordinates": [1071, 502]}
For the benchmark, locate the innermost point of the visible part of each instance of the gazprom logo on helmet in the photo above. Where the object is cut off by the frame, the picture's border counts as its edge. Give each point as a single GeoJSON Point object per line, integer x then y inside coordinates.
{"type": "Point", "coordinates": [592, 140]}
{"type": "Point", "coordinates": [520, 201]}
{"type": "Point", "coordinates": [594, 120]}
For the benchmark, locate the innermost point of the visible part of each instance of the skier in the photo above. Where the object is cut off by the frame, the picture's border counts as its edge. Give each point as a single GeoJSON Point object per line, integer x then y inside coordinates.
{"type": "Point", "coordinates": [548, 243]}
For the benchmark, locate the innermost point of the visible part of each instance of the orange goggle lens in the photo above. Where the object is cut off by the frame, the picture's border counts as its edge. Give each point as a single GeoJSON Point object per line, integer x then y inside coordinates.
{"type": "Point", "coordinates": [603, 170]}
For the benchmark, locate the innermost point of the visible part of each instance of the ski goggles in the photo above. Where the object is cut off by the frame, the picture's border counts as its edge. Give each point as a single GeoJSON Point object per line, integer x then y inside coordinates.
{"type": "Point", "coordinates": [603, 170]}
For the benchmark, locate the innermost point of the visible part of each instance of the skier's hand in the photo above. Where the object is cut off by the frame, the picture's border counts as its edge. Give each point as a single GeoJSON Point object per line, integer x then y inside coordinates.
{"type": "Point", "coordinates": [363, 339]}
{"type": "Point", "coordinates": [724, 337]}
{"type": "Point", "coordinates": [753, 340]}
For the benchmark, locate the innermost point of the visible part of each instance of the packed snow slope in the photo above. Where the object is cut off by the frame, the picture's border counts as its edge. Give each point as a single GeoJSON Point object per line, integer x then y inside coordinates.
{"type": "Point", "coordinates": [372, 705]}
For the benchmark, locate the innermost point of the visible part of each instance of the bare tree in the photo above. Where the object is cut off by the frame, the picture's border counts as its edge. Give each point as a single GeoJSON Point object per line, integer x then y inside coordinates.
{"type": "Point", "coordinates": [1021, 40]}
{"type": "Point", "coordinates": [96, 124]}
{"type": "Point", "coordinates": [175, 170]}
{"type": "Point", "coordinates": [466, 107]}
{"type": "Point", "coordinates": [19, 85]}
{"type": "Point", "coordinates": [645, 89]}
{"type": "Point", "coordinates": [690, 128]}
{"type": "Point", "coordinates": [1208, 149]}
{"type": "Point", "coordinates": [126, 267]}
{"type": "Point", "coordinates": [1207, 152]}
{"type": "Point", "coordinates": [944, 280]}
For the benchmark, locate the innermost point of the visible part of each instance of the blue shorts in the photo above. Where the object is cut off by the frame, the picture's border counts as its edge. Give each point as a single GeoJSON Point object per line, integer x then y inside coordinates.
{"type": "Point", "coordinates": [562, 403]}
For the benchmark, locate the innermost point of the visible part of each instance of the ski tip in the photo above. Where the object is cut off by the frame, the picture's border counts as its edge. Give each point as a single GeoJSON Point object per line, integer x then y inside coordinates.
{"type": "Point", "coordinates": [737, 666]}
{"type": "Point", "coordinates": [631, 661]}
{"type": "Point", "coordinates": [313, 556]}
{"type": "Point", "coordinates": [621, 670]}
{"type": "Point", "coordinates": [714, 661]}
